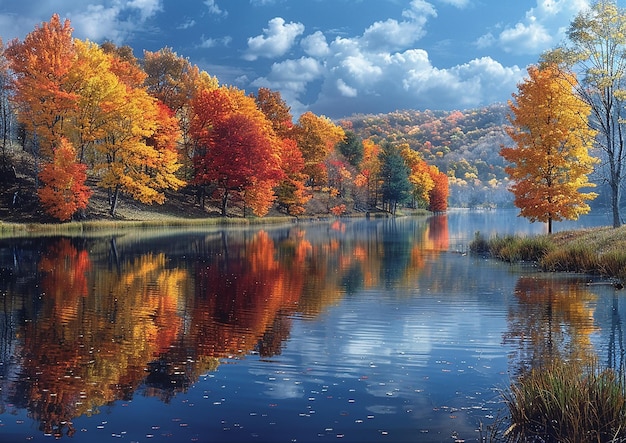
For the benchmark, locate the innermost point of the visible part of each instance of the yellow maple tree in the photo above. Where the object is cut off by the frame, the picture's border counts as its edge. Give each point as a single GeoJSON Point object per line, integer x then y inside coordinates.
{"type": "Point", "coordinates": [550, 162]}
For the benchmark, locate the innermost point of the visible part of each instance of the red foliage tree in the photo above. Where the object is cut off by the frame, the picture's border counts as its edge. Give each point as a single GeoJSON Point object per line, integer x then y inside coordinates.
{"type": "Point", "coordinates": [64, 191]}
{"type": "Point", "coordinates": [239, 150]}
{"type": "Point", "coordinates": [438, 195]}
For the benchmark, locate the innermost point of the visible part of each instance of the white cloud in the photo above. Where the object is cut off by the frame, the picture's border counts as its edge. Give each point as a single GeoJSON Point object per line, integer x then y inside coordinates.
{"type": "Point", "coordinates": [345, 90]}
{"type": "Point", "coordinates": [526, 39]}
{"type": "Point", "coordinates": [291, 78]}
{"type": "Point", "coordinates": [542, 27]}
{"type": "Point", "coordinates": [315, 45]}
{"type": "Point", "coordinates": [215, 42]}
{"type": "Point", "coordinates": [457, 3]}
{"type": "Point", "coordinates": [97, 23]}
{"type": "Point", "coordinates": [187, 25]}
{"type": "Point", "coordinates": [214, 8]}
{"type": "Point", "coordinates": [392, 34]}
{"type": "Point", "coordinates": [276, 40]}
{"type": "Point", "coordinates": [146, 8]}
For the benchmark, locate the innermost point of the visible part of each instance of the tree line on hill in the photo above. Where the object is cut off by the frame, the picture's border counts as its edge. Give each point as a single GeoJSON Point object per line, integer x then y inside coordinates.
{"type": "Point", "coordinates": [90, 113]}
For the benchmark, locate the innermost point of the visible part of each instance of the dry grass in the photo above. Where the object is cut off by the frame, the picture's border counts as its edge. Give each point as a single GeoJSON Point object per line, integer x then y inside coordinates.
{"type": "Point", "coordinates": [600, 251]}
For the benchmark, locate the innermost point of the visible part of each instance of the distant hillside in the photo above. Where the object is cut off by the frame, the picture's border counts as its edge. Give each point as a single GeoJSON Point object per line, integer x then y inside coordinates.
{"type": "Point", "coordinates": [464, 144]}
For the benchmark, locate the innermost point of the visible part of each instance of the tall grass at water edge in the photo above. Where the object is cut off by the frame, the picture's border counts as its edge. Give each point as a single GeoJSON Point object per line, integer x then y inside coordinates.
{"type": "Point", "coordinates": [567, 402]}
{"type": "Point", "coordinates": [599, 251]}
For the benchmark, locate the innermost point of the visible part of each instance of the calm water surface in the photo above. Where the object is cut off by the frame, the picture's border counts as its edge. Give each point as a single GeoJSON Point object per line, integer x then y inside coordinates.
{"type": "Point", "coordinates": [355, 330]}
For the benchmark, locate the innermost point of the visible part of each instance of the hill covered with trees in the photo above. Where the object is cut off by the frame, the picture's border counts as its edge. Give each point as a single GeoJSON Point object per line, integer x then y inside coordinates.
{"type": "Point", "coordinates": [463, 144]}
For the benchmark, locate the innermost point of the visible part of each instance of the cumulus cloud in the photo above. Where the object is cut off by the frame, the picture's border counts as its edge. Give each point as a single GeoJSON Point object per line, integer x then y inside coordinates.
{"type": "Point", "coordinates": [381, 70]}
{"type": "Point", "coordinates": [315, 45]}
{"type": "Point", "coordinates": [114, 20]}
{"type": "Point", "coordinates": [526, 38]}
{"type": "Point", "coordinates": [276, 40]}
{"type": "Point", "coordinates": [542, 27]}
{"type": "Point", "coordinates": [392, 34]}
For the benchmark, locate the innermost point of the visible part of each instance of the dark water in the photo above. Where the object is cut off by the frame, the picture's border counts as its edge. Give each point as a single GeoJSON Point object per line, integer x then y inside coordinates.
{"type": "Point", "coordinates": [356, 330]}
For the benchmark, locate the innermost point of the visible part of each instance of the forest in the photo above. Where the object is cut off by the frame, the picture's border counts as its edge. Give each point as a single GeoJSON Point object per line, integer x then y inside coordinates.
{"type": "Point", "coordinates": [91, 119]}
{"type": "Point", "coordinates": [465, 144]}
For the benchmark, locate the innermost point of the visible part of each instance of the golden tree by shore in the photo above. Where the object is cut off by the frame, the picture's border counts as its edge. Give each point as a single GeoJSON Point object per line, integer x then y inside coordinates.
{"type": "Point", "coordinates": [550, 162]}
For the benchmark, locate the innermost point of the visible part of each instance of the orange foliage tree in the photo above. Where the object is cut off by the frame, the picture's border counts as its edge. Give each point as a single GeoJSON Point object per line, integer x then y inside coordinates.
{"type": "Point", "coordinates": [64, 191]}
{"type": "Point", "coordinates": [44, 95]}
{"type": "Point", "coordinates": [368, 177]}
{"type": "Point", "coordinates": [438, 195]}
{"type": "Point", "coordinates": [551, 161]}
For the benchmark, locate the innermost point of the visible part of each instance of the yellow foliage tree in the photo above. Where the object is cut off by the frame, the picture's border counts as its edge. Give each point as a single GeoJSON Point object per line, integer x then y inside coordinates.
{"type": "Point", "coordinates": [317, 137]}
{"type": "Point", "coordinates": [551, 161]}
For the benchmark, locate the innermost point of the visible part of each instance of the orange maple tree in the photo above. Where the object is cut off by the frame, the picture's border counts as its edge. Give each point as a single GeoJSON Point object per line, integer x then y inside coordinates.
{"type": "Point", "coordinates": [44, 95]}
{"type": "Point", "coordinates": [64, 191]}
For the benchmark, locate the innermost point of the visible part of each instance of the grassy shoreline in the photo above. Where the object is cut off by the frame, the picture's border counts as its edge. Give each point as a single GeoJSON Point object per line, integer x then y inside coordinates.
{"type": "Point", "coordinates": [598, 251]}
{"type": "Point", "coordinates": [9, 229]}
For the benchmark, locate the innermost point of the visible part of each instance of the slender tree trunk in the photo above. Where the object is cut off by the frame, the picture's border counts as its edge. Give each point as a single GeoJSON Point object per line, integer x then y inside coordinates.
{"type": "Point", "coordinates": [550, 225]}
{"type": "Point", "coordinates": [114, 200]}
{"type": "Point", "coordinates": [224, 202]}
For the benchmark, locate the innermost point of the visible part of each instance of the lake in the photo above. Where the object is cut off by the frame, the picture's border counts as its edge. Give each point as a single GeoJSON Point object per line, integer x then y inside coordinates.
{"type": "Point", "coordinates": [346, 330]}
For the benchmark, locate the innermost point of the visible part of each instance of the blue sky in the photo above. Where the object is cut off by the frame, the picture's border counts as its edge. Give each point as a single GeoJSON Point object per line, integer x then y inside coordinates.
{"type": "Point", "coordinates": [332, 57]}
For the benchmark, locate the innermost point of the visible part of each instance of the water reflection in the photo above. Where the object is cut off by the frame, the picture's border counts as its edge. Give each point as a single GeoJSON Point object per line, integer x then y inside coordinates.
{"type": "Point", "coordinates": [86, 322]}
{"type": "Point", "coordinates": [554, 319]}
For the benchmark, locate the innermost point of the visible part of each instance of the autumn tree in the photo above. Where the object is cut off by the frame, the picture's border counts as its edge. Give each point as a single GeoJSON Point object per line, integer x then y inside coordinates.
{"type": "Point", "coordinates": [596, 50]}
{"type": "Point", "coordinates": [174, 81]}
{"type": "Point", "coordinates": [551, 160]}
{"type": "Point", "coordinates": [420, 176]}
{"type": "Point", "coordinates": [43, 94]}
{"type": "Point", "coordinates": [239, 153]}
{"type": "Point", "coordinates": [394, 174]}
{"type": "Point", "coordinates": [63, 190]}
{"type": "Point", "coordinates": [316, 137]}
{"type": "Point", "coordinates": [438, 194]}
{"type": "Point", "coordinates": [369, 174]}
{"type": "Point", "coordinates": [135, 152]}
{"type": "Point", "coordinates": [291, 195]}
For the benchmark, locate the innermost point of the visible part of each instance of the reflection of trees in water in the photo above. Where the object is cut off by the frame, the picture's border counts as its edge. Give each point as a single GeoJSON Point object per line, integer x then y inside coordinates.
{"type": "Point", "coordinates": [101, 319]}
{"type": "Point", "coordinates": [553, 319]}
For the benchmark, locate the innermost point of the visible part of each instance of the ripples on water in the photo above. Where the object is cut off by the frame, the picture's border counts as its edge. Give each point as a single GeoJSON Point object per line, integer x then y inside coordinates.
{"type": "Point", "coordinates": [357, 331]}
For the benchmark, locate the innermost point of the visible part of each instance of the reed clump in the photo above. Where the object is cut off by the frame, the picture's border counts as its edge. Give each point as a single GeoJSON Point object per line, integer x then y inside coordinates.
{"type": "Point", "coordinates": [512, 248]}
{"type": "Point", "coordinates": [567, 402]}
{"type": "Point", "coordinates": [599, 251]}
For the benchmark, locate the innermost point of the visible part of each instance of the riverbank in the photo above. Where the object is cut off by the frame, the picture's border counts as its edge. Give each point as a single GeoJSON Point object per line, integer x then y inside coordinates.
{"type": "Point", "coordinates": [598, 251]}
